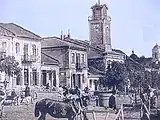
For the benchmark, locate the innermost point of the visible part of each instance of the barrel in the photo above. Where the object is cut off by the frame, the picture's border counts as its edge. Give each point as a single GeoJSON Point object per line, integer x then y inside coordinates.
{"type": "Point", "coordinates": [103, 98]}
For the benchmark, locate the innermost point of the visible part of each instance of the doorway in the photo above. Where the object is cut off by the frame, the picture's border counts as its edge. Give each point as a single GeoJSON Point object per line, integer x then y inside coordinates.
{"type": "Point", "coordinates": [44, 80]}
{"type": "Point", "coordinates": [26, 78]}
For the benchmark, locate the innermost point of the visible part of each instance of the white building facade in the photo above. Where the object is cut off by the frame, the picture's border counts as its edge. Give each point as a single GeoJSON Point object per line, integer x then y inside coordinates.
{"type": "Point", "coordinates": [26, 48]}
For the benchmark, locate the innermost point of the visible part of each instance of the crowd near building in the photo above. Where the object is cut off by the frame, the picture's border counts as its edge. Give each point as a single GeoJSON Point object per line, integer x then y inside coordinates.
{"type": "Point", "coordinates": [62, 60]}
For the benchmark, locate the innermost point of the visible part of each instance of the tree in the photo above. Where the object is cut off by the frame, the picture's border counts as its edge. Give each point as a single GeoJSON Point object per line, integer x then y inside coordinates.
{"type": "Point", "coordinates": [116, 74]}
{"type": "Point", "coordinates": [10, 66]}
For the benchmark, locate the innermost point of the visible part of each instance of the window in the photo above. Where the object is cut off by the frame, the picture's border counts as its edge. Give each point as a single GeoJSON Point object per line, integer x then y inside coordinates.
{"type": "Point", "coordinates": [83, 80]}
{"type": "Point", "coordinates": [90, 83]}
{"type": "Point", "coordinates": [34, 49]}
{"type": "Point", "coordinates": [18, 80]}
{"type": "Point", "coordinates": [77, 58]}
{"type": "Point", "coordinates": [26, 49]}
{"type": "Point", "coordinates": [4, 46]}
{"type": "Point", "coordinates": [156, 56]}
{"type": "Point", "coordinates": [83, 58]}
{"type": "Point", "coordinates": [17, 48]}
{"type": "Point", "coordinates": [34, 72]}
{"type": "Point", "coordinates": [73, 58]}
{"type": "Point", "coordinates": [37, 51]}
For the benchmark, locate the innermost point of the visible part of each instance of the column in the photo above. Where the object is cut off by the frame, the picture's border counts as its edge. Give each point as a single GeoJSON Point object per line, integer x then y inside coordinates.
{"type": "Point", "coordinates": [57, 77]}
{"type": "Point", "coordinates": [22, 77]}
{"type": "Point", "coordinates": [29, 76]}
{"type": "Point", "coordinates": [39, 77]}
{"type": "Point", "coordinates": [47, 77]}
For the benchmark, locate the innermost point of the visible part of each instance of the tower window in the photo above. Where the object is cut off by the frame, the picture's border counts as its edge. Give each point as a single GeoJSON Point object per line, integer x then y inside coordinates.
{"type": "Point", "coordinates": [156, 56]}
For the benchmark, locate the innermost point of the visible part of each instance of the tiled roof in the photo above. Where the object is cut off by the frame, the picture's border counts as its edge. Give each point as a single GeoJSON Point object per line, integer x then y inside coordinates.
{"type": "Point", "coordinates": [83, 43]}
{"type": "Point", "coordinates": [47, 59]}
{"type": "Point", "coordinates": [57, 42]}
{"type": "Point", "coordinates": [18, 30]}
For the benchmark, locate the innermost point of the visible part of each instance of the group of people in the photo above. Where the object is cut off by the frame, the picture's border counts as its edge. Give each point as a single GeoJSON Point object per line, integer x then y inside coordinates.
{"type": "Point", "coordinates": [75, 93]}
{"type": "Point", "coordinates": [26, 94]}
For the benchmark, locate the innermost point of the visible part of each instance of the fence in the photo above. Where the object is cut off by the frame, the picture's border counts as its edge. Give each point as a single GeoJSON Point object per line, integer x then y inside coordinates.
{"type": "Point", "coordinates": [119, 115]}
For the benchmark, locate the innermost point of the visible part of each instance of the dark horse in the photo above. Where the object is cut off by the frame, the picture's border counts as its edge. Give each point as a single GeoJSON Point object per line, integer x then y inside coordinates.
{"type": "Point", "coordinates": [58, 109]}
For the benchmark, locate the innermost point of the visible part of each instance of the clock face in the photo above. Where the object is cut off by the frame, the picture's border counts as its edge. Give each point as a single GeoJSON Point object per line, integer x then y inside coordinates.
{"type": "Point", "coordinates": [97, 27]}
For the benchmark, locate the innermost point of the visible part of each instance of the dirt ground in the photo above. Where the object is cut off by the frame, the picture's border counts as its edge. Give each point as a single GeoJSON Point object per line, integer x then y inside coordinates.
{"type": "Point", "coordinates": [26, 112]}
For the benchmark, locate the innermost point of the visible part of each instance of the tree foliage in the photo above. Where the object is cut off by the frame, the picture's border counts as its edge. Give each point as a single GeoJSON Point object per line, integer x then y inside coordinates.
{"type": "Point", "coordinates": [10, 66]}
{"type": "Point", "coordinates": [116, 74]}
{"type": "Point", "coordinates": [119, 73]}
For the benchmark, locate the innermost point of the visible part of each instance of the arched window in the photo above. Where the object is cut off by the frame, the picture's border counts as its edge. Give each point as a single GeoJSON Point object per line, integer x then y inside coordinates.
{"type": "Point", "coordinates": [156, 55]}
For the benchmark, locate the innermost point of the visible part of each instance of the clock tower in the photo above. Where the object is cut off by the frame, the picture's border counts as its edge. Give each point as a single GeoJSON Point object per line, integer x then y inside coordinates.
{"type": "Point", "coordinates": [99, 27]}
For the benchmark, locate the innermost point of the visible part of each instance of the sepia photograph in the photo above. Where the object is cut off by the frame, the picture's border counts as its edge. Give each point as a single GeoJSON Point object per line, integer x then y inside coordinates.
{"type": "Point", "coordinates": [79, 60]}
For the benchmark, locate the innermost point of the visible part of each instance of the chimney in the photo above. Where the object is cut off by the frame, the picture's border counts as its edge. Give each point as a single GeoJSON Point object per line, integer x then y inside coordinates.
{"type": "Point", "coordinates": [68, 34]}
{"type": "Point", "coordinates": [64, 36]}
{"type": "Point", "coordinates": [61, 34]}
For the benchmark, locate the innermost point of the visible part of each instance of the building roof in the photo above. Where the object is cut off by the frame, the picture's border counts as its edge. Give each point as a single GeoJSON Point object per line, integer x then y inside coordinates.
{"type": "Point", "coordinates": [55, 42]}
{"type": "Point", "coordinates": [118, 51]}
{"type": "Point", "coordinates": [18, 30]}
{"type": "Point", "coordinates": [99, 6]}
{"type": "Point", "coordinates": [5, 32]}
{"type": "Point", "coordinates": [95, 71]}
{"type": "Point", "coordinates": [47, 59]}
{"type": "Point", "coordinates": [91, 75]}
{"type": "Point", "coordinates": [156, 46]}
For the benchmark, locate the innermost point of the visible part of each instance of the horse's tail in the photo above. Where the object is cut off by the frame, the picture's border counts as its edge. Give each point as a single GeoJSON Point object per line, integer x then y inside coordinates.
{"type": "Point", "coordinates": [36, 111]}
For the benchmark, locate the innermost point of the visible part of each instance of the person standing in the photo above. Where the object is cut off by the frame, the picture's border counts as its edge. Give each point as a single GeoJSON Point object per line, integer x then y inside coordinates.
{"type": "Point", "coordinates": [112, 101]}
{"type": "Point", "coordinates": [27, 93]}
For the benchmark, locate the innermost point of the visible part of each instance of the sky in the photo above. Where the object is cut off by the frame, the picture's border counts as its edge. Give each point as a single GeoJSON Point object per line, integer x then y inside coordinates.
{"type": "Point", "coordinates": [135, 23]}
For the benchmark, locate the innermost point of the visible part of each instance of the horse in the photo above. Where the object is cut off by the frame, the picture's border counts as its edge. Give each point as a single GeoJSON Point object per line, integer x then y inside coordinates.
{"type": "Point", "coordinates": [58, 109]}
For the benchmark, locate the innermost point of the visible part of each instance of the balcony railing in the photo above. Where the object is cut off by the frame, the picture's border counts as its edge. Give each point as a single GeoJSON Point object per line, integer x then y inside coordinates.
{"type": "Point", "coordinates": [28, 58]}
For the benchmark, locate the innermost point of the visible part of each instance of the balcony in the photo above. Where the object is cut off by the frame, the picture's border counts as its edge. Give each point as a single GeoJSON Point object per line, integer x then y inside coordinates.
{"type": "Point", "coordinates": [28, 58]}
{"type": "Point", "coordinates": [81, 66]}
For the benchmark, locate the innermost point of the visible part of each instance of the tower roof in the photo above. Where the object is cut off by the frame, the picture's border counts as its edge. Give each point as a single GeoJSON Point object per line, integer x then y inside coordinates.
{"type": "Point", "coordinates": [156, 46]}
{"type": "Point", "coordinates": [99, 5]}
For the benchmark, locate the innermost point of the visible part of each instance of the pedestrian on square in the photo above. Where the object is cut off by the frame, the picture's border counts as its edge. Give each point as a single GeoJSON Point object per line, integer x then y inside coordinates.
{"type": "Point", "coordinates": [27, 93]}
{"type": "Point", "coordinates": [112, 101]}
{"type": "Point", "coordinates": [13, 94]}
{"type": "Point", "coordinates": [47, 86]}
{"type": "Point", "coordinates": [66, 91]}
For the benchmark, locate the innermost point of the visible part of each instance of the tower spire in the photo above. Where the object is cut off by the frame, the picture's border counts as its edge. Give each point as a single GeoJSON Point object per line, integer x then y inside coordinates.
{"type": "Point", "coordinates": [99, 2]}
